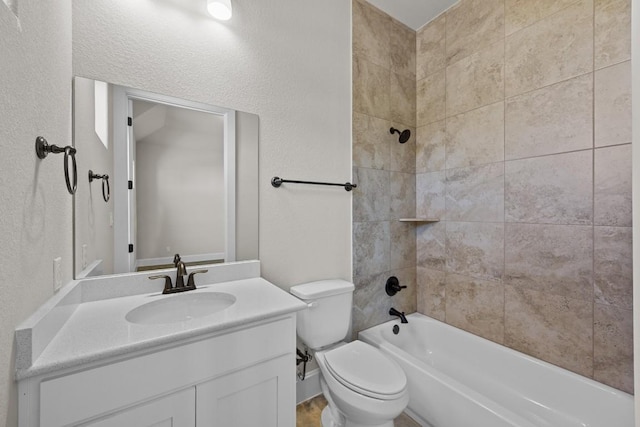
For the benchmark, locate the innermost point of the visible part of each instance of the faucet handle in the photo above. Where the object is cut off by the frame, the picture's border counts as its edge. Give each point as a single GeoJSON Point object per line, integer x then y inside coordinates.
{"type": "Point", "coordinates": [392, 286]}
{"type": "Point", "coordinates": [191, 282]}
{"type": "Point", "coordinates": [167, 282]}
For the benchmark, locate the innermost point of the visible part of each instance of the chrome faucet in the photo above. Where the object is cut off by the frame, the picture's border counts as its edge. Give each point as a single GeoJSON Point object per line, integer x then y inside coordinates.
{"type": "Point", "coordinates": [394, 312]}
{"type": "Point", "coordinates": [181, 271]}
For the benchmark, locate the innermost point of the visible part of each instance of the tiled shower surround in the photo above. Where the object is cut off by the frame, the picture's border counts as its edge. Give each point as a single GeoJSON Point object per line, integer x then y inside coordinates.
{"type": "Point", "coordinates": [384, 93]}
{"type": "Point", "coordinates": [522, 148]}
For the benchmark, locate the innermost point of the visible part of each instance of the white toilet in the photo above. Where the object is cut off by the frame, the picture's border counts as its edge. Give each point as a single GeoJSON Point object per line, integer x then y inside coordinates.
{"type": "Point", "coordinates": [362, 385]}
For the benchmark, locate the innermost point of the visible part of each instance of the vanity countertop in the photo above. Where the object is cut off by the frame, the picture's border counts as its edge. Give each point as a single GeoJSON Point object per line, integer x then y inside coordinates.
{"type": "Point", "coordinates": [97, 329]}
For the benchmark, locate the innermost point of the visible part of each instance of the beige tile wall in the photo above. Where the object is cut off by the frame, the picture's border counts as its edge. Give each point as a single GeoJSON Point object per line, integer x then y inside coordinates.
{"type": "Point", "coordinates": [384, 96]}
{"type": "Point", "coordinates": [523, 150]}
{"type": "Point", "coordinates": [521, 130]}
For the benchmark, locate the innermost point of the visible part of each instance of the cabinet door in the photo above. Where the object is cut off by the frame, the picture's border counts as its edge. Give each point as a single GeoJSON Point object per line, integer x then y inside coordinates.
{"type": "Point", "coordinates": [174, 410]}
{"type": "Point", "coordinates": [262, 395]}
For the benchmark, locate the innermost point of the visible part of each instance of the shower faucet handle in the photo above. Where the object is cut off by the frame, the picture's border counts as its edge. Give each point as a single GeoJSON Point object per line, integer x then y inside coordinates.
{"type": "Point", "coordinates": [392, 286]}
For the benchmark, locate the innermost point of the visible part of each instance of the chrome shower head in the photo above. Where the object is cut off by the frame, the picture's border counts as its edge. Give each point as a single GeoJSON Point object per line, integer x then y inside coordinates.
{"type": "Point", "coordinates": [404, 135]}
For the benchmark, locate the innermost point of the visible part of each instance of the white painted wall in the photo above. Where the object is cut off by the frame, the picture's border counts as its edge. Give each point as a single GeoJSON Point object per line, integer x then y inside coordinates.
{"type": "Point", "coordinates": [35, 208]}
{"type": "Point", "coordinates": [635, 85]}
{"type": "Point", "coordinates": [92, 214]}
{"type": "Point", "coordinates": [287, 61]}
{"type": "Point", "coordinates": [247, 193]}
{"type": "Point", "coordinates": [180, 191]}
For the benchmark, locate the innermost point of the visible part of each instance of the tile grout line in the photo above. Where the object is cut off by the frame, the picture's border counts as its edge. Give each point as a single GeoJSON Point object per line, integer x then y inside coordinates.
{"type": "Point", "coordinates": [526, 92]}
{"type": "Point", "coordinates": [389, 216]}
{"type": "Point", "coordinates": [530, 90]}
{"type": "Point", "coordinates": [545, 17]}
{"type": "Point", "coordinates": [518, 30]}
{"type": "Point", "coordinates": [415, 176]}
{"type": "Point", "coordinates": [504, 182]}
{"type": "Point", "coordinates": [446, 144]}
{"type": "Point", "coordinates": [550, 224]}
{"type": "Point", "coordinates": [593, 189]}
{"type": "Point", "coordinates": [505, 160]}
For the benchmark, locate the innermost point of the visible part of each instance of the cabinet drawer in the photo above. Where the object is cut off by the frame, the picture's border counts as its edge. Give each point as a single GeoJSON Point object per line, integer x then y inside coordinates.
{"type": "Point", "coordinates": [94, 392]}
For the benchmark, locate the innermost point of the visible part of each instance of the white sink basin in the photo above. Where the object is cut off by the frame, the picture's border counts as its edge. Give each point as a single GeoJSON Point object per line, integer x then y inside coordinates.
{"type": "Point", "coordinates": [180, 308]}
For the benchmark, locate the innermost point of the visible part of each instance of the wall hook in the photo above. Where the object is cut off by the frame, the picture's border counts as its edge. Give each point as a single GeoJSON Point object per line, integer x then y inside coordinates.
{"type": "Point", "coordinates": [42, 151]}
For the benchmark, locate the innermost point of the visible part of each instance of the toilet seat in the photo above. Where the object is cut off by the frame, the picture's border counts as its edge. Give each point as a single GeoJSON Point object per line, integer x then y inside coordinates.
{"type": "Point", "coordinates": [366, 370]}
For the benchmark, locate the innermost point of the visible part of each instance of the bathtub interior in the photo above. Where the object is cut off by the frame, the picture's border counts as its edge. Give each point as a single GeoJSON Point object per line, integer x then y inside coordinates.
{"type": "Point", "coordinates": [539, 392]}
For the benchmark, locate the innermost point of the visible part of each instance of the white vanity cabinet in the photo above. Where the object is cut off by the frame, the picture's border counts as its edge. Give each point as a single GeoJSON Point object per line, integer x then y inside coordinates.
{"type": "Point", "coordinates": [240, 377]}
{"type": "Point", "coordinates": [176, 409]}
{"type": "Point", "coordinates": [257, 396]}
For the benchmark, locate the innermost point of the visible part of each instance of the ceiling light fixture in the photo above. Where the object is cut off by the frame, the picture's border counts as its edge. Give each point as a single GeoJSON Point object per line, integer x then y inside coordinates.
{"type": "Point", "coordinates": [220, 9]}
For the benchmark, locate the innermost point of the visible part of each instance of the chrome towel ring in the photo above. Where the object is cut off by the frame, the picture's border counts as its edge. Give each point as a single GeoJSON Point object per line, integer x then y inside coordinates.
{"type": "Point", "coordinates": [106, 191]}
{"type": "Point", "coordinates": [42, 151]}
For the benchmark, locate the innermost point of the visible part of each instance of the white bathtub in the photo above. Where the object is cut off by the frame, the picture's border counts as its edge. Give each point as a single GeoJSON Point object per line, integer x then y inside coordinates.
{"type": "Point", "coordinates": [457, 379]}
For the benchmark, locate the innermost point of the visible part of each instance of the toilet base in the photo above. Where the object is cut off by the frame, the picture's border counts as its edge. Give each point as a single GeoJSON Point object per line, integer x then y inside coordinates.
{"type": "Point", "coordinates": [328, 420]}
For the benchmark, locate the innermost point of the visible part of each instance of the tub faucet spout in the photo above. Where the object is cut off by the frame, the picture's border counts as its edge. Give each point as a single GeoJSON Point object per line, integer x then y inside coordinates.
{"type": "Point", "coordinates": [394, 312]}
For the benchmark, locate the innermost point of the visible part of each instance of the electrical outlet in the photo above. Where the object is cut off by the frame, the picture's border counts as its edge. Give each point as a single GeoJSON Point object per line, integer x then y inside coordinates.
{"type": "Point", "coordinates": [57, 274]}
{"type": "Point", "coordinates": [84, 256]}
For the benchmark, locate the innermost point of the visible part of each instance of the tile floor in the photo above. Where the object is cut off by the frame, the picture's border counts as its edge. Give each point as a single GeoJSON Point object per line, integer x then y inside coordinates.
{"type": "Point", "coordinates": [308, 414]}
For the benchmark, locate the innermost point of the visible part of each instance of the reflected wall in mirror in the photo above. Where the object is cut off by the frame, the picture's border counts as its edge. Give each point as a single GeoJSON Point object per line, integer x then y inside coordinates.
{"type": "Point", "coordinates": [179, 191]}
{"type": "Point", "coordinates": [183, 178]}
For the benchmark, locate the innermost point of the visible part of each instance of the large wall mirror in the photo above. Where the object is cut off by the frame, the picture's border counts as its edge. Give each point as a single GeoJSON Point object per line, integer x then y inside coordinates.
{"type": "Point", "coordinates": [158, 175]}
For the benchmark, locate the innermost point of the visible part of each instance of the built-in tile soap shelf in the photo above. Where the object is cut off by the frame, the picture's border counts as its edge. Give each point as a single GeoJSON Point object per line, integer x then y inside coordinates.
{"type": "Point", "coordinates": [423, 220]}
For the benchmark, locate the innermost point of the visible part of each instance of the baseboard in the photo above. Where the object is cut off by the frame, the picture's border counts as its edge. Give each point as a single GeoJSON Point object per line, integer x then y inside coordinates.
{"type": "Point", "coordinates": [417, 418]}
{"type": "Point", "coordinates": [308, 388]}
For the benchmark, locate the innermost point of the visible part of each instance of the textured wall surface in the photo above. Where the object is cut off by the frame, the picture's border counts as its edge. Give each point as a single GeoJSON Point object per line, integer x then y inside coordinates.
{"type": "Point", "coordinates": [523, 150]}
{"type": "Point", "coordinates": [181, 208]}
{"type": "Point", "coordinates": [35, 223]}
{"type": "Point", "coordinates": [384, 94]}
{"type": "Point", "coordinates": [635, 85]}
{"type": "Point", "coordinates": [91, 214]}
{"type": "Point", "coordinates": [287, 61]}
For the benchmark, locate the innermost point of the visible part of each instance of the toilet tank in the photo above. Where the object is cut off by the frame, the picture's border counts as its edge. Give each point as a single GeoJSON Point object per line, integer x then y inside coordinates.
{"type": "Point", "coordinates": [327, 318]}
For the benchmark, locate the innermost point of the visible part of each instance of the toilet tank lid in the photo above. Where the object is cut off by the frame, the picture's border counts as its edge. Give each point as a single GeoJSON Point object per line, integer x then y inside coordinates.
{"type": "Point", "coordinates": [321, 288]}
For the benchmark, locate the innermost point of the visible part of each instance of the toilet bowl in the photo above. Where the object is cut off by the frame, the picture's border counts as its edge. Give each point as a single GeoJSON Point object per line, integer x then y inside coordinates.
{"type": "Point", "coordinates": [363, 387]}
{"type": "Point", "coordinates": [366, 387]}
